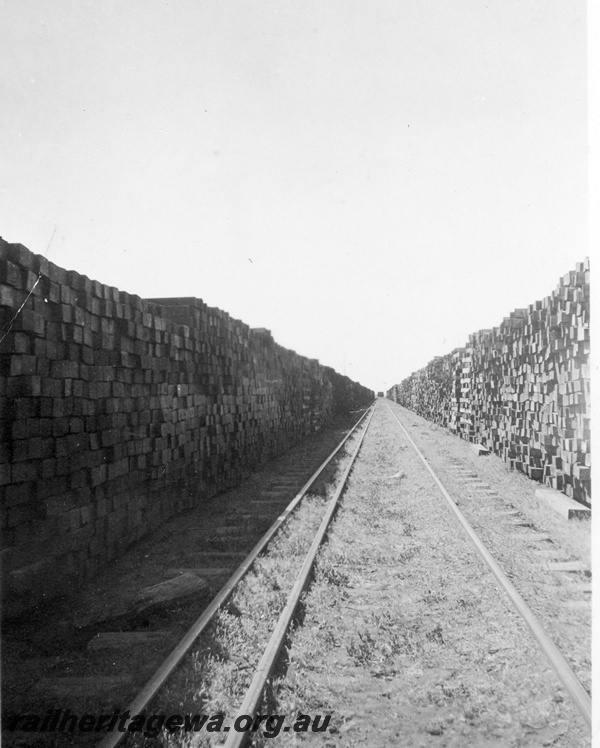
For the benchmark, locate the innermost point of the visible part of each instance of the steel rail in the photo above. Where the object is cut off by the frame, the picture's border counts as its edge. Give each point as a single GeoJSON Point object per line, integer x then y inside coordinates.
{"type": "Point", "coordinates": [149, 690]}
{"type": "Point", "coordinates": [255, 691]}
{"type": "Point", "coordinates": [555, 657]}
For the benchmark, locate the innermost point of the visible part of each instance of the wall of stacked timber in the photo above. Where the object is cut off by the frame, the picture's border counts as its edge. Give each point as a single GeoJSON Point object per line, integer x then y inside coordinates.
{"type": "Point", "coordinates": [521, 389]}
{"type": "Point", "coordinates": [118, 413]}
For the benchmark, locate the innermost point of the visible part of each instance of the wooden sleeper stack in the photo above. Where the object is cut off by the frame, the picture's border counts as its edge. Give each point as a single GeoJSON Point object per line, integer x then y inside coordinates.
{"type": "Point", "coordinates": [521, 389]}
{"type": "Point", "coordinates": [118, 412]}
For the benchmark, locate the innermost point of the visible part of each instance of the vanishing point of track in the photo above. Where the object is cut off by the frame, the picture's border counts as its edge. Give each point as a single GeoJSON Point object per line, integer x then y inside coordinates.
{"type": "Point", "coordinates": [161, 675]}
{"type": "Point", "coordinates": [262, 673]}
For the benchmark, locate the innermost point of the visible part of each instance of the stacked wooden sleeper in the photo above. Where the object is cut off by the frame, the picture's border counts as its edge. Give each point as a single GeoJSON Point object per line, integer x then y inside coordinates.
{"type": "Point", "coordinates": [521, 389]}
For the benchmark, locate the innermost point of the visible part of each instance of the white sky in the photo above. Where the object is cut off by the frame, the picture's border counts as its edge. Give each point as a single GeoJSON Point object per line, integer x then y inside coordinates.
{"type": "Point", "coordinates": [372, 180]}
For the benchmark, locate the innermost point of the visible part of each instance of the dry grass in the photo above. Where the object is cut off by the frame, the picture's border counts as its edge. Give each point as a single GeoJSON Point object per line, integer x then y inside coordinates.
{"type": "Point", "coordinates": [214, 679]}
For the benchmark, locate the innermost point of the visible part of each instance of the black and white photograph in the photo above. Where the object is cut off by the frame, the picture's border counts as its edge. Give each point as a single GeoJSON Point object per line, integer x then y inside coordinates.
{"type": "Point", "coordinates": [295, 373]}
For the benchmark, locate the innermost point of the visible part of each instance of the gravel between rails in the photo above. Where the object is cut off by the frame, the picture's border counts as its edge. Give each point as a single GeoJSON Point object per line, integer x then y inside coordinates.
{"type": "Point", "coordinates": [406, 639]}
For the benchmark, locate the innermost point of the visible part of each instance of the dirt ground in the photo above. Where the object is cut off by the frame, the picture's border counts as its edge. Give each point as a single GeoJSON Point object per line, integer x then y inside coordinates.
{"type": "Point", "coordinates": [406, 639]}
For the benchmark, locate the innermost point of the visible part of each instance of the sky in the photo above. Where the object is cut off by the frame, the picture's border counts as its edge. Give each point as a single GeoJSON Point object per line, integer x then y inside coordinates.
{"type": "Point", "coordinates": [371, 180]}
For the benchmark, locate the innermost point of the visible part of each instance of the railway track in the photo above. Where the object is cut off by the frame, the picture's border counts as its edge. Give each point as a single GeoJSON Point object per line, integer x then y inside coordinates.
{"type": "Point", "coordinates": [274, 645]}
{"type": "Point", "coordinates": [422, 619]}
{"type": "Point", "coordinates": [555, 657]}
{"type": "Point", "coordinates": [250, 707]}
{"type": "Point", "coordinates": [87, 656]}
{"type": "Point", "coordinates": [278, 570]}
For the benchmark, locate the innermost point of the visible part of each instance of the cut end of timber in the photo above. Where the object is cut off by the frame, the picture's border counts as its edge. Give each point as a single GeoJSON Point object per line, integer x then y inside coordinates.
{"type": "Point", "coordinates": [566, 507]}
